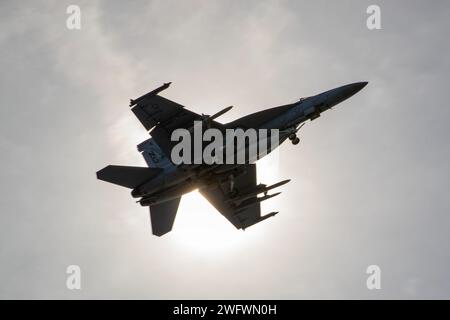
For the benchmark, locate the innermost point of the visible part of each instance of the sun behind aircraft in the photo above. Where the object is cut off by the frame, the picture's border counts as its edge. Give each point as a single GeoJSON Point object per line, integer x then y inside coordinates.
{"type": "Point", "coordinates": [230, 187]}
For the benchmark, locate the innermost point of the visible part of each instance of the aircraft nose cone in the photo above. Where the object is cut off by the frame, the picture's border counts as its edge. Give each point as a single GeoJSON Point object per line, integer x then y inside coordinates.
{"type": "Point", "coordinates": [353, 88]}
{"type": "Point", "coordinates": [340, 94]}
{"type": "Point", "coordinates": [345, 92]}
{"type": "Point", "coordinates": [360, 85]}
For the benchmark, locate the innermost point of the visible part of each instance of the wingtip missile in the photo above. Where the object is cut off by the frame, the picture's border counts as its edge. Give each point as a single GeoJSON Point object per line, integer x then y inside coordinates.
{"type": "Point", "coordinates": [271, 195]}
{"type": "Point", "coordinates": [272, 214]}
{"type": "Point", "coordinates": [259, 189]}
{"type": "Point", "coordinates": [262, 218]}
{"type": "Point", "coordinates": [221, 112]}
{"type": "Point", "coordinates": [207, 118]}
{"type": "Point", "coordinates": [149, 94]}
{"type": "Point", "coordinates": [268, 215]}
{"type": "Point", "coordinates": [278, 184]}
{"type": "Point", "coordinates": [254, 201]}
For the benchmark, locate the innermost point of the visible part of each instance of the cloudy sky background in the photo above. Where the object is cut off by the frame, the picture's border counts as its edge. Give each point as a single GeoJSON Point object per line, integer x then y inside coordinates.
{"type": "Point", "coordinates": [370, 179]}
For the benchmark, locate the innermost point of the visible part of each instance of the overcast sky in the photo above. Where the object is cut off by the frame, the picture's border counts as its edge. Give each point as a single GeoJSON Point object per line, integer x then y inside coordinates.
{"type": "Point", "coordinates": [370, 179]}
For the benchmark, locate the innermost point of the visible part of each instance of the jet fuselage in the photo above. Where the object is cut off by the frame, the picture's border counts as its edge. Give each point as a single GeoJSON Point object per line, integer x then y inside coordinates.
{"type": "Point", "coordinates": [182, 179]}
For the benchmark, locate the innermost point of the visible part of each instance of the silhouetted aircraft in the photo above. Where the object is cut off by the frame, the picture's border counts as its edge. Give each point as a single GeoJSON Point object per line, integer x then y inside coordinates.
{"type": "Point", "coordinates": [230, 187]}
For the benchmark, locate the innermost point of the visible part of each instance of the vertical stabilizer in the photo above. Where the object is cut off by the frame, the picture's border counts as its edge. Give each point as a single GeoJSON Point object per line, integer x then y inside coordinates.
{"type": "Point", "coordinates": [153, 155]}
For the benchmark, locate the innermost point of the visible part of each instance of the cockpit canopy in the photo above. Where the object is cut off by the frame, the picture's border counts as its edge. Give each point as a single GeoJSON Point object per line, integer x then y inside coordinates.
{"type": "Point", "coordinates": [304, 98]}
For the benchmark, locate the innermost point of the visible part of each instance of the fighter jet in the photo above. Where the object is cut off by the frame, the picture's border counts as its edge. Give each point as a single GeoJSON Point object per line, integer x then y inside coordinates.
{"type": "Point", "coordinates": [231, 188]}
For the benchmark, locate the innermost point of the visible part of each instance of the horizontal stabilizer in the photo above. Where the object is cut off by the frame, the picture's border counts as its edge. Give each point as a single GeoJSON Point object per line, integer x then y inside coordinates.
{"type": "Point", "coordinates": [129, 177]}
{"type": "Point", "coordinates": [162, 216]}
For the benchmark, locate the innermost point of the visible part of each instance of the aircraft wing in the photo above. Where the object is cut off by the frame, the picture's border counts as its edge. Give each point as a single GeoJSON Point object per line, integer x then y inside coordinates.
{"type": "Point", "coordinates": [220, 197]}
{"type": "Point", "coordinates": [156, 110]}
{"type": "Point", "coordinates": [164, 116]}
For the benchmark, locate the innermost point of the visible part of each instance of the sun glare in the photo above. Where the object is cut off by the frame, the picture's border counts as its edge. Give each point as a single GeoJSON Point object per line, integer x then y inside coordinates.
{"type": "Point", "coordinates": [200, 227]}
